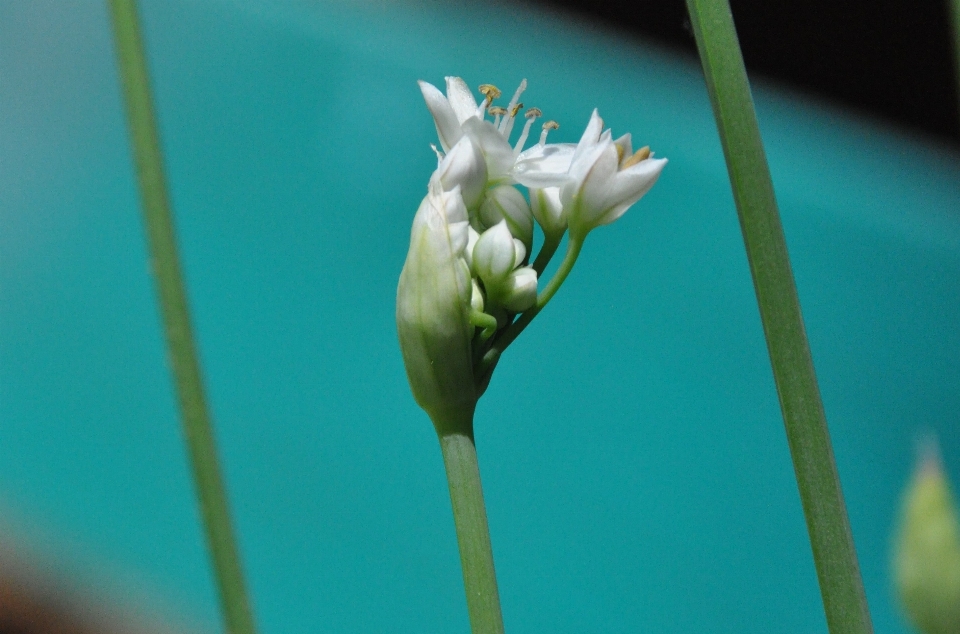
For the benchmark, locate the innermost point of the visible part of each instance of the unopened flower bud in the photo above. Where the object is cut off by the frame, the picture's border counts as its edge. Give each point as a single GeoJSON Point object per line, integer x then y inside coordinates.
{"type": "Point", "coordinates": [520, 290]}
{"type": "Point", "coordinates": [494, 255]}
{"type": "Point", "coordinates": [547, 209]}
{"type": "Point", "coordinates": [507, 203]}
{"type": "Point", "coordinates": [927, 559]}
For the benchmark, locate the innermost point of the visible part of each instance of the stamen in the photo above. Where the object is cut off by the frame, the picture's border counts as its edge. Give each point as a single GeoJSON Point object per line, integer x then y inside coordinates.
{"type": "Point", "coordinates": [507, 124]}
{"type": "Point", "coordinates": [640, 155]}
{"type": "Point", "coordinates": [549, 125]}
{"type": "Point", "coordinates": [496, 112]}
{"type": "Point", "coordinates": [531, 116]}
{"type": "Point", "coordinates": [490, 91]}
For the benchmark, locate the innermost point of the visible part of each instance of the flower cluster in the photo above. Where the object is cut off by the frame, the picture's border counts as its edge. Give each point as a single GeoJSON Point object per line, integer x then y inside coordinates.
{"type": "Point", "coordinates": [468, 287]}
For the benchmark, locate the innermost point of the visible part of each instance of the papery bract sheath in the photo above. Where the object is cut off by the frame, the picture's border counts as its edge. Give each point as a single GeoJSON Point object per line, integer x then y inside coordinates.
{"type": "Point", "coordinates": [433, 308]}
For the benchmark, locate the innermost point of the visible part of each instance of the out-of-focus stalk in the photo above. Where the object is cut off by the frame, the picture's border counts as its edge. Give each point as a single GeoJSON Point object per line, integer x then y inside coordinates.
{"type": "Point", "coordinates": [176, 320]}
{"type": "Point", "coordinates": [833, 551]}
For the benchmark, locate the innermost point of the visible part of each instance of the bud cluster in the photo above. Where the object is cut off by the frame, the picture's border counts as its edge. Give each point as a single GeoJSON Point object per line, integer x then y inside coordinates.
{"type": "Point", "coordinates": [468, 273]}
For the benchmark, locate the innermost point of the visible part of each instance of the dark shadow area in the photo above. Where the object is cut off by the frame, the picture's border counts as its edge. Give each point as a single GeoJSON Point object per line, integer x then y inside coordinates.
{"type": "Point", "coordinates": [888, 58]}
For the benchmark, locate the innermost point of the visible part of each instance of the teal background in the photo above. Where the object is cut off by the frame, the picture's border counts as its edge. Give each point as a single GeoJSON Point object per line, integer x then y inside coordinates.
{"type": "Point", "coordinates": [634, 461]}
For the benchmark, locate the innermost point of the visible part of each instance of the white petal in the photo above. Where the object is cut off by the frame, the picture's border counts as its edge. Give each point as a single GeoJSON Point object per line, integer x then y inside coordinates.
{"type": "Point", "coordinates": [464, 166]}
{"type": "Point", "coordinates": [448, 127]}
{"type": "Point", "coordinates": [544, 165]}
{"type": "Point", "coordinates": [625, 147]}
{"type": "Point", "coordinates": [584, 161]}
{"type": "Point", "coordinates": [464, 105]}
{"type": "Point", "coordinates": [590, 137]}
{"type": "Point", "coordinates": [627, 187]}
{"type": "Point", "coordinates": [496, 150]}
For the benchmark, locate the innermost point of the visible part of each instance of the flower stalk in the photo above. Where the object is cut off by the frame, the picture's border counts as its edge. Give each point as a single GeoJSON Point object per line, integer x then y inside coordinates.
{"type": "Point", "coordinates": [470, 520]}
{"type": "Point", "coordinates": [834, 555]}
{"type": "Point", "coordinates": [197, 429]}
{"type": "Point", "coordinates": [466, 290]}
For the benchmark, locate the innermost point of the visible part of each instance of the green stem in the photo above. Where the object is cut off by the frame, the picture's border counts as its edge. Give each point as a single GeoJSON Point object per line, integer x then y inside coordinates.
{"type": "Point", "coordinates": [955, 30]}
{"type": "Point", "coordinates": [574, 244]}
{"type": "Point", "coordinates": [172, 297]}
{"type": "Point", "coordinates": [470, 519]}
{"type": "Point", "coordinates": [550, 244]}
{"type": "Point", "coordinates": [833, 551]}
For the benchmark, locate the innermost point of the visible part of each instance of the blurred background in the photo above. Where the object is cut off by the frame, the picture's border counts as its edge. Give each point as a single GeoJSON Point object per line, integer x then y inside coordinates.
{"type": "Point", "coordinates": [891, 60]}
{"type": "Point", "coordinates": [634, 461]}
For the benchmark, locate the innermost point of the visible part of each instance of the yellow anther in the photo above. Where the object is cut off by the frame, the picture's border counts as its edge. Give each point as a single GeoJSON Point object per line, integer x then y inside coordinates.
{"type": "Point", "coordinates": [517, 108]}
{"type": "Point", "coordinates": [489, 91]}
{"type": "Point", "coordinates": [551, 125]}
{"type": "Point", "coordinates": [533, 113]}
{"type": "Point", "coordinates": [640, 155]}
{"type": "Point", "coordinates": [496, 111]}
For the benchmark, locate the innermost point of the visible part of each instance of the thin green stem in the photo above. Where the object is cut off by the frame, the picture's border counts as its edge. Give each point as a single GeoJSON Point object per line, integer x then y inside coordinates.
{"type": "Point", "coordinates": [173, 302]}
{"type": "Point", "coordinates": [833, 551]}
{"type": "Point", "coordinates": [574, 244]}
{"type": "Point", "coordinates": [550, 244]}
{"type": "Point", "coordinates": [470, 518]}
{"type": "Point", "coordinates": [955, 30]}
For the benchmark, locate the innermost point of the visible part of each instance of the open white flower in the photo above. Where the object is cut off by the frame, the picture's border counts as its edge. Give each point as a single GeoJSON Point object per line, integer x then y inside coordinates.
{"type": "Point", "coordinates": [457, 114]}
{"type": "Point", "coordinates": [606, 177]}
{"type": "Point", "coordinates": [597, 180]}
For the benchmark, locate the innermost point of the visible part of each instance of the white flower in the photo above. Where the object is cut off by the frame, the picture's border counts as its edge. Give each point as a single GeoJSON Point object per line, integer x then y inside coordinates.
{"type": "Point", "coordinates": [598, 179]}
{"type": "Point", "coordinates": [606, 177]}
{"type": "Point", "coordinates": [458, 114]}
{"type": "Point", "coordinates": [433, 307]}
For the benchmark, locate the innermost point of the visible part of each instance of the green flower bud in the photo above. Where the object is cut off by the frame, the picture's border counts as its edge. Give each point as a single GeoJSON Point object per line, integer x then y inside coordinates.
{"type": "Point", "coordinates": [927, 557]}
{"type": "Point", "coordinates": [433, 308]}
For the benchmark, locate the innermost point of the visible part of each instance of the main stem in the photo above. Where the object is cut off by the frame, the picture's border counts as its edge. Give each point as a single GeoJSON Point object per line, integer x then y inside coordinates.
{"type": "Point", "coordinates": [841, 587]}
{"type": "Point", "coordinates": [470, 519]}
{"type": "Point", "coordinates": [176, 320]}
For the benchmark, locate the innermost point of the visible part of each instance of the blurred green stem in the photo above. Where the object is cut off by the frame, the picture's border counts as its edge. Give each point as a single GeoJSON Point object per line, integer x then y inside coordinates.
{"type": "Point", "coordinates": [173, 302]}
{"type": "Point", "coordinates": [955, 30]}
{"type": "Point", "coordinates": [470, 518]}
{"type": "Point", "coordinates": [833, 551]}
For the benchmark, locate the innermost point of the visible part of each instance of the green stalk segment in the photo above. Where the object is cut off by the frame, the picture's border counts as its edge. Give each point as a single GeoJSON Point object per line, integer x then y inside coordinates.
{"type": "Point", "coordinates": [470, 519]}
{"type": "Point", "coordinates": [172, 297]}
{"type": "Point", "coordinates": [833, 551]}
{"type": "Point", "coordinates": [955, 30]}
